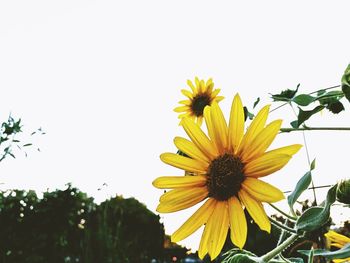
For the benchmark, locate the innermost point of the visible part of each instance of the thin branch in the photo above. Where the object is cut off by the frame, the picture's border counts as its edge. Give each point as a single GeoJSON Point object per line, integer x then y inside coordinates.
{"type": "Point", "coordinates": [315, 129]}
{"type": "Point", "coordinates": [282, 212]}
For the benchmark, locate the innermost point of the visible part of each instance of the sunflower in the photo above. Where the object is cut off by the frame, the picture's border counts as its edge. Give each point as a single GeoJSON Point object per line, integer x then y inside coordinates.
{"type": "Point", "coordinates": [337, 240]}
{"type": "Point", "coordinates": [202, 95]}
{"type": "Point", "coordinates": [227, 166]}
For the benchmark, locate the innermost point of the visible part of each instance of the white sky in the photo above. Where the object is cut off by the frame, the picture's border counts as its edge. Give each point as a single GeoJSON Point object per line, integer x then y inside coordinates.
{"type": "Point", "coordinates": [102, 78]}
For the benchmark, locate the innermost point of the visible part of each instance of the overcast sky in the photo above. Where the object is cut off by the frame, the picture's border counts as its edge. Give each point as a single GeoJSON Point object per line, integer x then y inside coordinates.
{"type": "Point", "coordinates": [102, 77]}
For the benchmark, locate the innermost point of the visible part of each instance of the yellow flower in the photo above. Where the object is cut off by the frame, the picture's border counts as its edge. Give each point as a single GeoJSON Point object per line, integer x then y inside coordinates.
{"type": "Point", "coordinates": [202, 95]}
{"type": "Point", "coordinates": [227, 165]}
{"type": "Point", "coordinates": [337, 240]}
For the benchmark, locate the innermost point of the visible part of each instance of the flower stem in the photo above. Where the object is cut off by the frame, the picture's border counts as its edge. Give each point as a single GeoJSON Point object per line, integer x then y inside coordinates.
{"type": "Point", "coordinates": [282, 212]}
{"type": "Point", "coordinates": [270, 255]}
{"type": "Point", "coordinates": [284, 227]}
{"type": "Point", "coordinates": [315, 129]}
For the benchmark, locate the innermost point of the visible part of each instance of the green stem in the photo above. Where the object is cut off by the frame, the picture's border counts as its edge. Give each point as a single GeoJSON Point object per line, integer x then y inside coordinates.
{"type": "Point", "coordinates": [315, 129]}
{"type": "Point", "coordinates": [282, 212]}
{"type": "Point", "coordinates": [270, 255]}
{"type": "Point", "coordinates": [337, 86]}
{"type": "Point", "coordinates": [284, 227]}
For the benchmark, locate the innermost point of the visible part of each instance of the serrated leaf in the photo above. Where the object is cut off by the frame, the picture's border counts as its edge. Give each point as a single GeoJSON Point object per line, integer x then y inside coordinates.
{"type": "Point", "coordinates": [315, 217]}
{"type": "Point", "coordinates": [342, 253]}
{"type": "Point", "coordinates": [256, 102]}
{"type": "Point", "coordinates": [303, 99]}
{"type": "Point", "coordinates": [305, 115]}
{"type": "Point", "coordinates": [300, 187]}
{"type": "Point", "coordinates": [285, 95]}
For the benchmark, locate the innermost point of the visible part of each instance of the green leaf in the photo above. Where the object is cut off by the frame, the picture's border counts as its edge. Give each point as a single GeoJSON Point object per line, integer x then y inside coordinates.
{"type": "Point", "coordinates": [315, 217]}
{"type": "Point", "coordinates": [330, 97]}
{"type": "Point", "coordinates": [335, 107]}
{"type": "Point", "coordinates": [344, 252]}
{"type": "Point", "coordinates": [321, 92]}
{"type": "Point", "coordinates": [247, 114]}
{"type": "Point", "coordinates": [238, 255]}
{"type": "Point", "coordinates": [285, 95]}
{"type": "Point", "coordinates": [301, 186]}
{"type": "Point", "coordinates": [303, 99]}
{"type": "Point", "coordinates": [296, 260]}
{"type": "Point", "coordinates": [346, 90]}
{"type": "Point", "coordinates": [313, 164]}
{"type": "Point", "coordinates": [256, 102]}
{"type": "Point", "coordinates": [311, 256]}
{"type": "Point", "coordinates": [305, 115]}
{"type": "Point", "coordinates": [345, 83]}
{"type": "Point", "coordinates": [294, 124]}
{"type": "Point", "coordinates": [27, 144]}
{"type": "Point", "coordinates": [242, 258]}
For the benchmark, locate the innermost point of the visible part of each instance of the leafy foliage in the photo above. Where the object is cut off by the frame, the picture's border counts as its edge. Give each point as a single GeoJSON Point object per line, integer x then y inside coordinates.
{"type": "Point", "coordinates": [8, 137]}
{"type": "Point", "coordinates": [67, 226]}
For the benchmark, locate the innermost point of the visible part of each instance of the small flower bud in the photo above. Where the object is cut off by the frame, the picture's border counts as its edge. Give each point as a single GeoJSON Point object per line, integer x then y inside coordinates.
{"type": "Point", "coordinates": [343, 191]}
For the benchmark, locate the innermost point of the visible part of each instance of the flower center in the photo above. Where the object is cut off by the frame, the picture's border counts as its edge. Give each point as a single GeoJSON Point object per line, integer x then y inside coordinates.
{"type": "Point", "coordinates": [199, 102]}
{"type": "Point", "coordinates": [225, 176]}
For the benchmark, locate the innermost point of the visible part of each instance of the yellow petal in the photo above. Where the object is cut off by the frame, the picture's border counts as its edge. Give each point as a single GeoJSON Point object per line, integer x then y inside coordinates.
{"type": "Point", "coordinates": [203, 245]}
{"type": "Point", "coordinates": [219, 98]}
{"type": "Point", "coordinates": [190, 84]}
{"type": "Point", "coordinates": [209, 82]}
{"type": "Point", "coordinates": [187, 93]}
{"type": "Point", "coordinates": [209, 124]}
{"type": "Point", "coordinates": [266, 164]}
{"type": "Point", "coordinates": [199, 138]}
{"type": "Point", "coordinates": [220, 127]}
{"type": "Point", "coordinates": [199, 218]}
{"type": "Point", "coordinates": [185, 102]}
{"type": "Point", "coordinates": [262, 191]}
{"type": "Point", "coordinates": [238, 223]}
{"type": "Point", "coordinates": [236, 125]}
{"type": "Point", "coordinates": [219, 222]}
{"type": "Point", "coordinates": [202, 86]}
{"type": "Point", "coordinates": [184, 115]}
{"type": "Point", "coordinates": [184, 163]}
{"type": "Point", "coordinates": [181, 109]}
{"type": "Point", "coordinates": [255, 127]}
{"type": "Point", "coordinates": [199, 120]}
{"type": "Point", "coordinates": [262, 141]}
{"type": "Point", "coordinates": [165, 182]}
{"type": "Point", "coordinates": [256, 210]}
{"type": "Point", "coordinates": [190, 149]}
{"type": "Point", "coordinates": [210, 88]}
{"type": "Point", "coordinates": [290, 149]}
{"type": "Point", "coordinates": [181, 198]}
{"type": "Point", "coordinates": [215, 92]}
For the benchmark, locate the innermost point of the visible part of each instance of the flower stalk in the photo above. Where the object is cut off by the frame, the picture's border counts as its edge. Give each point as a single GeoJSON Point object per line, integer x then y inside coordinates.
{"type": "Point", "coordinates": [270, 255]}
